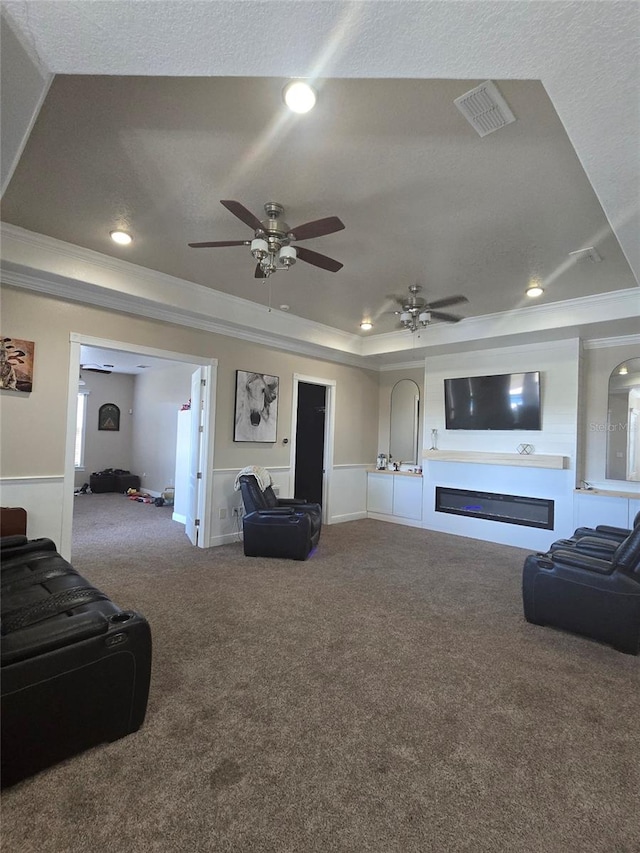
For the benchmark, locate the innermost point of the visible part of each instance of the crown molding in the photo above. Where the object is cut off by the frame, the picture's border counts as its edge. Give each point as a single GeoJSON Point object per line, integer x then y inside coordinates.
{"type": "Point", "coordinates": [66, 271]}
{"type": "Point", "coordinates": [602, 343]}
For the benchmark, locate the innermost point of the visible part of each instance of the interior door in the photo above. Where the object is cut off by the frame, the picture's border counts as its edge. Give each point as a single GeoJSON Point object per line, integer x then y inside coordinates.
{"type": "Point", "coordinates": [192, 526]}
{"type": "Point", "coordinates": [310, 430]}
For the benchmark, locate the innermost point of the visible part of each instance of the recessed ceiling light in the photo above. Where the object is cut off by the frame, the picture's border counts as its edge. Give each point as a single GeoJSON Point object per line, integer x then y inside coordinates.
{"type": "Point", "coordinates": [534, 290]}
{"type": "Point", "coordinates": [299, 96]}
{"type": "Point", "coordinates": [366, 325]}
{"type": "Point", "coordinates": [121, 237]}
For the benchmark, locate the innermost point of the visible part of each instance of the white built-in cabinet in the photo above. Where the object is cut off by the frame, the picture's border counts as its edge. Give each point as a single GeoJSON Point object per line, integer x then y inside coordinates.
{"type": "Point", "coordinates": [593, 507]}
{"type": "Point", "coordinates": [395, 496]}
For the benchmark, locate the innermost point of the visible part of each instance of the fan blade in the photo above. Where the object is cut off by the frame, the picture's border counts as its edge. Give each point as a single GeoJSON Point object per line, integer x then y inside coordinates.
{"type": "Point", "coordinates": [220, 243]}
{"type": "Point", "coordinates": [242, 213]}
{"type": "Point", "coordinates": [259, 273]}
{"type": "Point", "coordinates": [441, 315]}
{"type": "Point", "coordinates": [317, 228]}
{"type": "Point", "coordinates": [317, 259]}
{"type": "Point", "coordinates": [448, 300]}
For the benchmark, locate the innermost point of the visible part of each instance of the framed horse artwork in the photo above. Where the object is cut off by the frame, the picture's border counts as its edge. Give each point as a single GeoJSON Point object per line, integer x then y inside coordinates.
{"type": "Point", "coordinates": [256, 412]}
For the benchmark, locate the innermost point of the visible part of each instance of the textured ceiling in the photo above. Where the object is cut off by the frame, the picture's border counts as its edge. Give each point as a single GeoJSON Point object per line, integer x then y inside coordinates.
{"type": "Point", "coordinates": [423, 198]}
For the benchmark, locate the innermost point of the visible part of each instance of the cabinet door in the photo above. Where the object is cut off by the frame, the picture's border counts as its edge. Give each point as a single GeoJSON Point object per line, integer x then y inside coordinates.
{"type": "Point", "coordinates": [407, 497]}
{"type": "Point", "coordinates": [591, 510]}
{"type": "Point", "coordinates": [380, 493]}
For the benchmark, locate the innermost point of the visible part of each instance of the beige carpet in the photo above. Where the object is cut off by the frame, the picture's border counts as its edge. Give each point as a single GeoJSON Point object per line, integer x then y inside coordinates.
{"type": "Point", "coordinates": [386, 695]}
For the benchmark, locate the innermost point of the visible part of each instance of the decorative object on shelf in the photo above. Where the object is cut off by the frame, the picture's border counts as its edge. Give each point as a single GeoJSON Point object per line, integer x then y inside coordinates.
{"type": "Point", "coordinates": [109, 417]}
{"type": "Point", "coordinates": [381, 462]}
{"type": "Point", "coordinates": [185, 407]}
{"type": "Point", "coordinates": [526, 449]}
{"type": "Point", "coordinates": [16, 364]}
{"type": "Point", "coordinates": [434, 439]}
{"type": "Point", "coordinates": [256, 411]}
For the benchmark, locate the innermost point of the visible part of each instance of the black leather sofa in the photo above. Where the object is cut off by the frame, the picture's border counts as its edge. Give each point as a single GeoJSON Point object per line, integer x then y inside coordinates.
{"type": "Point", "coordinates": [75, 666]}
{"type": "Point", "coordinates": [592, 588]}
{"type": "Point", "coordinates": [277, 527]}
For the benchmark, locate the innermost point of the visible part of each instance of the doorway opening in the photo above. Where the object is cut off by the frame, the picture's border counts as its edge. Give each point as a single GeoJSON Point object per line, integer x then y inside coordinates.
{"type": "Point", "coordinates": [312, 439]}
{"type": "Point", "coordinates": [203, 380]}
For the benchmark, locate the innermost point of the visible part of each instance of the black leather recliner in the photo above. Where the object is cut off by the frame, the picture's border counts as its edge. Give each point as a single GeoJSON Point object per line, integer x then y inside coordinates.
{"type": "Point", "coordinates": [603, 531]}
{"type": "Point", "coordinates": [579, 591]}
{"type": "Point", "coordinates": [76, 667]}
{"type": "Point", "coordinates": [277, 527]}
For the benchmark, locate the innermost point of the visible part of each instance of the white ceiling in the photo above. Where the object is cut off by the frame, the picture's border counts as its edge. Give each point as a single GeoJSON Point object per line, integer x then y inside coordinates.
{"type": "Point", "coordinates": [422, 196]}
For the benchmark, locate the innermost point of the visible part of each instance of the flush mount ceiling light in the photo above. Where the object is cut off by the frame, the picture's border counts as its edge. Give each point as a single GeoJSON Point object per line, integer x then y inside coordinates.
{"type": "Point", "coordinates": [623, 370]}
{"type": "Point", "coordinates": [534, 290]}
{"type": "Point", "coordinates": [299, 96]}
{"type": "Point", "coordinates": [366, 325]}
{"type": "Point", "coordinates": [121, 237]}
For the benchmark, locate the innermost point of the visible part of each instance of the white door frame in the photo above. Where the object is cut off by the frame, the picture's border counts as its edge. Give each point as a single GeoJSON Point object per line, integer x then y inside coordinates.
{"type": "Point", "coordinates": [78, 340]}
{"type": "Point", "coordinates": [329, 432]}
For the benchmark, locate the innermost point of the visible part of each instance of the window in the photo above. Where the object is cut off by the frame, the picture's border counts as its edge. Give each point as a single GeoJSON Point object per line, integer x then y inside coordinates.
{"type": "Point", "coordinates": [81, 420]}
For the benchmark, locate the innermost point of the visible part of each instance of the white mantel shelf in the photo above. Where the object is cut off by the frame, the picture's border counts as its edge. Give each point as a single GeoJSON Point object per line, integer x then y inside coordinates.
{"type": "Point", "coordinates": [531, 460]}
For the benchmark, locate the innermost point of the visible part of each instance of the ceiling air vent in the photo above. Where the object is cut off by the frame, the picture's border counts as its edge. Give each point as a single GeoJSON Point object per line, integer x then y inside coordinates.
{"type": "Point", "coordinates": [589, 254]}
{"type": "Point", "coordinates": [484, 108]}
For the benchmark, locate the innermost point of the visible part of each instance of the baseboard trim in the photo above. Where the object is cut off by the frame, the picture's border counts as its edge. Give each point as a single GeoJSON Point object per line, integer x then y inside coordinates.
{"type": "Point", "coordinates": [350, 516]}
{"type": "Point", "coordinates": [395, 519]}
{"type": "Point", "coordinates": [224, 539]}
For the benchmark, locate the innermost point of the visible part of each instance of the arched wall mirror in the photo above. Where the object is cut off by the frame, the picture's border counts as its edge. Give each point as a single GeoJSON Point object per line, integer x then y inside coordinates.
{"type": "Point", "coordinates": [405, 419]}
{"type": "Point", "coordinates": [623, 422]}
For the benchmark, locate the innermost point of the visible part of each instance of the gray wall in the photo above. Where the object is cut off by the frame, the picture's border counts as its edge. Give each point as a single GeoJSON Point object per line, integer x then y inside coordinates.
{"type": "Point", "coordinates": [104, 448]}
{"type": "Point", "coordinates": [158, 396]}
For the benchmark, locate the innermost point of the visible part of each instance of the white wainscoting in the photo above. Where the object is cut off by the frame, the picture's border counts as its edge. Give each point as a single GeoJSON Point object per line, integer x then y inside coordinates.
{"type": "Point", "coordinates": [42, 497]}
{"type": "Point", "coordinates": [348, 493]}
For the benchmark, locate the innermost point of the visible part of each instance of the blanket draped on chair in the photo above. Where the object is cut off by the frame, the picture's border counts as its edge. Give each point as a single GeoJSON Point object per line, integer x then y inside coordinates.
{"type": "Point", "coordinates": [261, 474]}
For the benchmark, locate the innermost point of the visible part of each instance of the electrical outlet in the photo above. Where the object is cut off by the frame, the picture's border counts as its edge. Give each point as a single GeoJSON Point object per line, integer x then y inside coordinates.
{"type": "Point", "coordinates": [223, 512]}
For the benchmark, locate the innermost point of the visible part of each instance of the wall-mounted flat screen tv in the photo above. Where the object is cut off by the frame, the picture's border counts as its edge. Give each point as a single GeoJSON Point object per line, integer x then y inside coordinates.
{"type": "Point", "coordinates": [504, 401]}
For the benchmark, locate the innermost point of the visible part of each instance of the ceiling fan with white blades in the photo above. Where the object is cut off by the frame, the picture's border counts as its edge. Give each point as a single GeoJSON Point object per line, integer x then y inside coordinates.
{"type": "Point", "coordinates": [415, 312]}
{"type": "Point", "coordinates": [272, 238]}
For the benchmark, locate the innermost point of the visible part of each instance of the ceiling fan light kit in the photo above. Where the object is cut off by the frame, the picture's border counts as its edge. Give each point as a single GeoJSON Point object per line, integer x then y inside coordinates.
{"type": "Point", "coordinates": [415, 313]}
{"type": "Point", "coordinates": [272, 238]}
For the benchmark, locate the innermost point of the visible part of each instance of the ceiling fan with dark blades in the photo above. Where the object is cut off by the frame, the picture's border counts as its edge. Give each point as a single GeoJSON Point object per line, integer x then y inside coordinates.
{"type": "Point", "coordinates": [271, 244]}
{"type": "Point", "coordinates": [95, 368]}
{"type": "Point", "coordinates": [416, 312]}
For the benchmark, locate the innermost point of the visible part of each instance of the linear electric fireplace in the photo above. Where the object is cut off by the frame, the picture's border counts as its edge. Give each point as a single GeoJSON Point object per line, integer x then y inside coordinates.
{"type": "Point", "coordinates": [511, 509]}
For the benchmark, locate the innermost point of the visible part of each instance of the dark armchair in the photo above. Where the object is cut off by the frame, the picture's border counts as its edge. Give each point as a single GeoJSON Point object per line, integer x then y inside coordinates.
{"type": "Point", "coordinates": [614, 535]}
{"type": "Point", "coordinates": [277, 527]}
{"type": "Point", "coordinates": [588, 590]}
